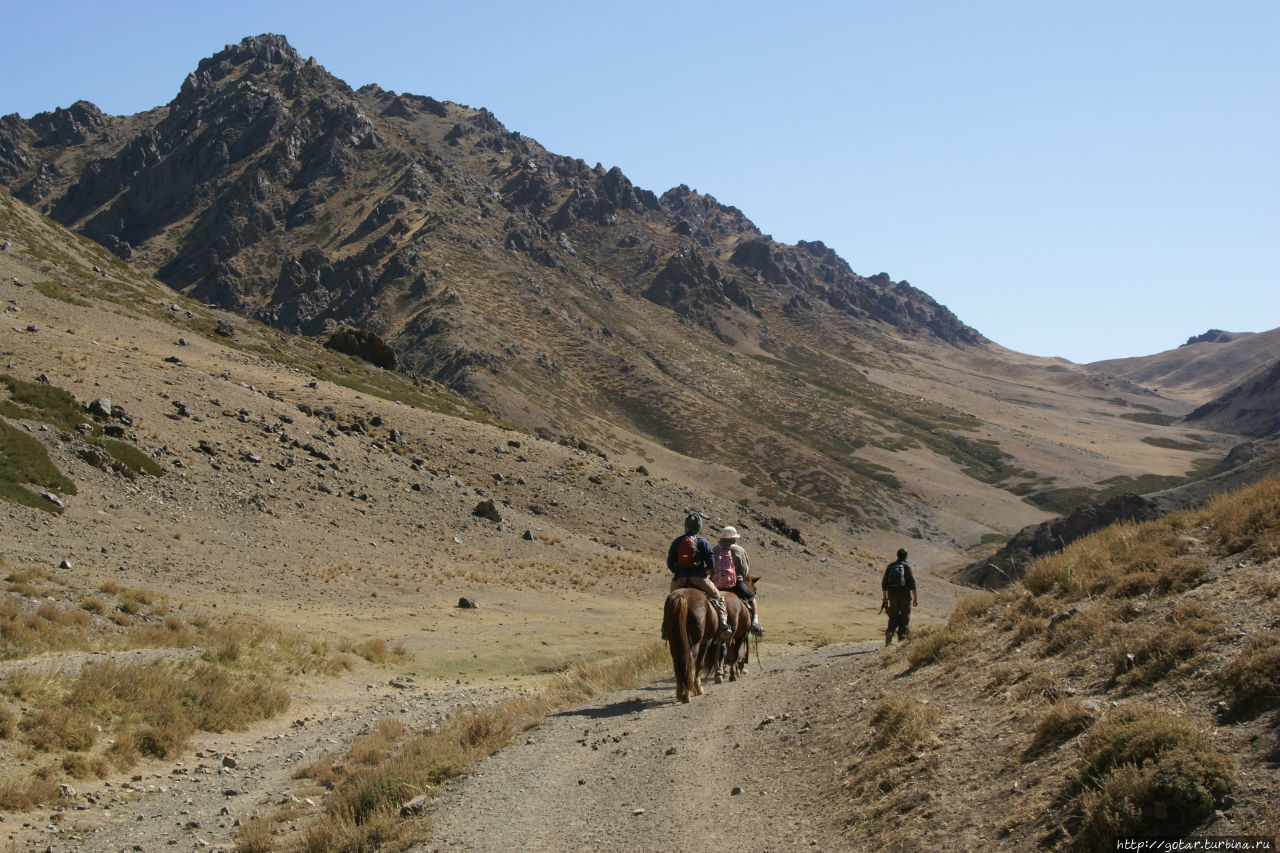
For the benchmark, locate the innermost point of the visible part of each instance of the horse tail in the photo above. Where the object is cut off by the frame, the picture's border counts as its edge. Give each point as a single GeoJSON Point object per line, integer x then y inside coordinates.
{"type": "Point", "coordinates": [676, 618]}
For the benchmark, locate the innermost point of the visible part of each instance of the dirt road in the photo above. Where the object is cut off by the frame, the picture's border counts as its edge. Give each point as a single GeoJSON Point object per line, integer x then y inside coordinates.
{"type": "Point", "coordinates": [637, 771]}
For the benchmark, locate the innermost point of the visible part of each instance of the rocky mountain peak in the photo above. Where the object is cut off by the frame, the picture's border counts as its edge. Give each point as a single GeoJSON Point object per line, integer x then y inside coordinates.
{"type": "Point", "coordinates": [266, 51]}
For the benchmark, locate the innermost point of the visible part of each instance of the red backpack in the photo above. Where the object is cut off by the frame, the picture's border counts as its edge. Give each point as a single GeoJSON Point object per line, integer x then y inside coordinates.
{"type": "Point", "coordinates": [725, 575]}
{"type": "Point", "coordinates": [686, 551]}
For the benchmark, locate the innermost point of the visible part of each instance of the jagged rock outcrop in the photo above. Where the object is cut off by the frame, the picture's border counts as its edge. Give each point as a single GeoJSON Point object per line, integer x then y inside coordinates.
{"type": "Point", "coordinates": [1213, 336]}
{"type": "Point", "coordinates": [15, 150]}
{"type": "Point", "coordinates": [71, 126]}
{"type": "Point", "coordinates": [688, 284]}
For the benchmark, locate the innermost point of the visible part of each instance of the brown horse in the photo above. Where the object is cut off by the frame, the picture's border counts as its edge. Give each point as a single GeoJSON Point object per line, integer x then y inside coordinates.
{"type": "Point", "coordinates": [689, 623]}
{"type": "Point", "coordinates": [732, 654]}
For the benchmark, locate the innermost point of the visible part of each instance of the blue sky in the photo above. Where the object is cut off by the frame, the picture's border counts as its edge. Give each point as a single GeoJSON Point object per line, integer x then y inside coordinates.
{"type": "Point", "coordinates": [1088, 180]}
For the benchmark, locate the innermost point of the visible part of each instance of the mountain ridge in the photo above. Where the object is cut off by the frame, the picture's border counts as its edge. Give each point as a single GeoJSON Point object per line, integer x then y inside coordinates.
{"type": "Point", "coordinates": [553, 294]}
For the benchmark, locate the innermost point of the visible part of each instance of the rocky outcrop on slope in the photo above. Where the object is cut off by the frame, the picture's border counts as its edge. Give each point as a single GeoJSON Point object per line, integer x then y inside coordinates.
{"type": "Point", "coordinates": [1213, 336]}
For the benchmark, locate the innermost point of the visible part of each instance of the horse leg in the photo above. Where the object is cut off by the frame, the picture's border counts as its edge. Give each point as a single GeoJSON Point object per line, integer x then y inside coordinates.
{"type": "Point", "coordinates": [678, 641]}
{"type": "Point", "coordinates": [696, 657]}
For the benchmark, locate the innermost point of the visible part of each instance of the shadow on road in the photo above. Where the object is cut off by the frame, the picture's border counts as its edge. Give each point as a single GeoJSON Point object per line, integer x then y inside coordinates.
{"type": "Point", "coordinates": [659, 693]}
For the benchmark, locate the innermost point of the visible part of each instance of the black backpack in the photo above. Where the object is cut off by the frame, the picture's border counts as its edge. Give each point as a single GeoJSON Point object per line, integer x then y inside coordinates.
{"type": "Point", "coordinates": [897, 573]}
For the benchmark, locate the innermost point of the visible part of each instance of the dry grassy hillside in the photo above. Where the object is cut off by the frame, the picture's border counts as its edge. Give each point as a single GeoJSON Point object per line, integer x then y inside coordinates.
{"type": "Point", "coordinates": [1127, 687]}
{"type": "Point", "coordinates": [1199, 371]}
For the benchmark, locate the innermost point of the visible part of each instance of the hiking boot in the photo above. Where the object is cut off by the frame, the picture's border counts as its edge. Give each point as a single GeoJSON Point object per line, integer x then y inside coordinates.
{"type": "Point", "coordinates": [755, 628]}
{"type": "Point", "coordinates": [888, 638]}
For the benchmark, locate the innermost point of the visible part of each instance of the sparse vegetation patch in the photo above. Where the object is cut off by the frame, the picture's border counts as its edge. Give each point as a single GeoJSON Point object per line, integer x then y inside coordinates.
{"type": "Point", "coordinates": [24, 463]}
{"type": "Point", "coordinates": [1148, 772]}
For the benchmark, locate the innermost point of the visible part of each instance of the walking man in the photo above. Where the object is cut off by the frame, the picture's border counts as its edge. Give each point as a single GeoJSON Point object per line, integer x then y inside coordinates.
{"type": "Point", "coordinates": [898, 593]}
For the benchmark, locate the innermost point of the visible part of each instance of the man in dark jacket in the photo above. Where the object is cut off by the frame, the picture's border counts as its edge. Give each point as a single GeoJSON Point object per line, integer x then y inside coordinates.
{"type": "Point", "coordinates": [898, 591]}
{"type": "Point", "coordinates": [694, 570]}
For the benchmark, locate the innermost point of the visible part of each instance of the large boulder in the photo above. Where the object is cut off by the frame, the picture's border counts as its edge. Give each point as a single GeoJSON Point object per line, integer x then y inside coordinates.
{"type": "Point", "coordinates": [364, 345]}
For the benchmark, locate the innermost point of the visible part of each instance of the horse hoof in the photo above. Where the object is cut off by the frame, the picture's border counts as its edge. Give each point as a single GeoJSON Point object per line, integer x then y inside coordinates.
{"type": "Point", "coordinates": [719, 679]}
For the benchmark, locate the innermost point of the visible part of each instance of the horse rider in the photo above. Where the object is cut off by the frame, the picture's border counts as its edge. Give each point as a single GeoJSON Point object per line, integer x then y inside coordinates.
{"type": "Point", "coordinates": [691, 563]}
{"type": "Point", "coordinates": [729, 541]}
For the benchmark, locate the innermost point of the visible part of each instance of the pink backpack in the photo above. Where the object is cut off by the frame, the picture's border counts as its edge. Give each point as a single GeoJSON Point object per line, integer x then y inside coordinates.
{"type": "Point", "coordinates": [725, 574]}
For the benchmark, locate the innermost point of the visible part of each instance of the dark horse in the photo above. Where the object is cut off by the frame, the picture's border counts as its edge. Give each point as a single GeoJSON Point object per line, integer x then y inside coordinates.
{"type": "Point", "coordinates": [689, 623]}
{"type": "Point", "coordinates": [732, 654]}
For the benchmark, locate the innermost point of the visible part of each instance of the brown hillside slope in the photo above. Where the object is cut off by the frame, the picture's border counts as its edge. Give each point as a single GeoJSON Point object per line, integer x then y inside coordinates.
{"type": "Point", "coordinates": [1250, 408]}
{"type": "Point", "coordinates": [1199, 371]}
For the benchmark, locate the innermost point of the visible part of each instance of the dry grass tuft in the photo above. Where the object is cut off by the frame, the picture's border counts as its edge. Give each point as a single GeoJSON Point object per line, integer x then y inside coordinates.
{"type": "Point", "coordinates": [1248, 519]}
{"type": "Point", "coordinates": [903, 723]}
{"type": "Point", "coordinates": [1120, 561]}
{"type": "Point", "coordinates": [935, 644]}
{"type": "Point", "coordinates": [1164, 647]}
{"type": "Point", "coordinates": [1251, 681]}
{"type": "Point", "coordinates": [971, 608]}
{"type": "Point", "coordinates": [59, 728]}
{"type": "Point", "coordinates": [1089, 626]}
{"type": "Point", "coordinates": [24, 795]}
{"type": "Point", "coordinates": [374, 650]}
{"type": "Point", "coordinates": [1136, 735]}
{"type": "Point", "coordinates": [1063, 721]}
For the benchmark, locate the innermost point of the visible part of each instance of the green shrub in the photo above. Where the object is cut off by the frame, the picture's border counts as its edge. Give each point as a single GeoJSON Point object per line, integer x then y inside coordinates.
{"type": "Point", "coordinates": [39, 401]}
{"type": "Point", "coordinates": [132, 458]}
{"type": "Point", "coordinates": [1148, 772]}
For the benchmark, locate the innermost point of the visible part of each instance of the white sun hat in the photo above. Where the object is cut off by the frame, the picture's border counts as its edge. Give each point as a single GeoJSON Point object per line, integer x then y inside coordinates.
{"type": "Point", "coordinates": [729, 532]}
